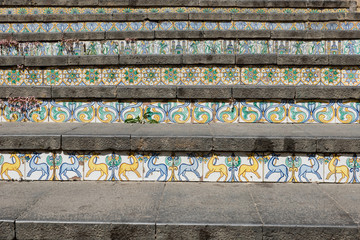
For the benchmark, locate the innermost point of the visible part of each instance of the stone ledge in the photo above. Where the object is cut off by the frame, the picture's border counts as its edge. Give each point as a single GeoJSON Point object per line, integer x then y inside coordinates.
{"type": "Point", "coordinates": [188, 34]}
{"type": "Point", "coordinates": [183, 92]}
{"type": "Point", "coordinates": [264, 17]}
{"type": "Point", "coordinates": [183, 59]}
{"type": "Point", "coordinates": [181, 3]}
{"type": "Point", "coordinates": [246, 137]}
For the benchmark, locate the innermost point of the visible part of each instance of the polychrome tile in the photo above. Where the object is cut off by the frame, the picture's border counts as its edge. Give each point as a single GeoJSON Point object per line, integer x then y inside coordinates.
{"type": "Point", "coordinates": [131, 75]}
{"type": "Point", "coordinates": [33, 113]}
{"type": "Point", "coordinates": [150, 76]}
{"type": "Point", "coordinates": [329, 168]}
{"type": "Point", "coordinates": [111, 76]}
{"type": "Point", "coordinates": [350, 76]}
{"type": "Point", "coordinates": [250, 76]}
{"type": "Point", "coordinates": [53, 76]}
{"type": "Point", "coordinates": [215, 168]}
{"type": "Point", "coordinates": [190, 76]}
{"type": "Point", "coordinates": [107, 111]}
{"type": "Point", "coordinates": [312, 111]}
{"type": "Point", "coordinates": [271, 111]}
{"type": "Point", "coordinates": [230, 75]}
{"type": "Point", "coordinates": [227, 112]}
{"type": "Point", "coordinates": [250, 167]}
{"type": "Point", "coordinates": [353, 162]}
{"type": "Point", "coordinates": [32, 77]}
{"type": "Point", "coordinates": [101, 166]}
{"type": "Point", "coordinates": [79, 111]}
{"type": "Point", "coordinates": [168, 112]}
{"type": "Point", "coordinates": [39, 166]}
{"type": "Point", "coordinates": [130, 110]}
{"type": "Point", "coordinates": [310, 76]}
{"type": "Point", "coordinates": [12, 166]}
{"type": "Point", "coordinates": [70, 166]}
{"type": "Point", "coordinates": [72, 77]}
{"type": "Point", "coordinates": [330, 76]}
{"type": "Point", "coordinates": [276, 167]}
{"type": "Point", "coordinates": [269, 75]}
{"type": "Point", "coordinates": [38, 114]}
{"type": "Point", "coordinates": [91, 76]}
{"type": "Point", "coordinates": [170, 76]}
{"type": "Point", "coordinates": [347, 111]}
{"type": "Point", "coordinates": [334, 47]}
{"type": "Point", "coordinates": [131, 168]}
{"type": "Point", "coordinates": [210, 76]}
{"type": "Point", "coordinates": [344, 168]}
{"type": "Point", "coordinates": [310, 168]}
{"type": "Point", "coordinates": [190, 167]}
{"type": "Point", "coordinates": [290, 76]}
{"type": "Point", "coordinates": [160, 167]}
{"type": "Point", "coordinates": [203, 112]}
{"type": "Point", "coordinates": [13, 77]}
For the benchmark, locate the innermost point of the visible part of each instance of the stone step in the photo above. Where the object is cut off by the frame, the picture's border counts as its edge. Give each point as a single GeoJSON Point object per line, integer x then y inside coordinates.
{"type": "Point", "coordinates": [182, 3]}
{"type": "Point", "coordinates": [182, 59]}
{"type": "Point", "coordinates": [211, 17]}
{"type": "Point", "coordinates": [288, 138]}
{"type": "Point", "coordinates": [187, 35]}
{"type": "Point", "coordinates": [55, 210]}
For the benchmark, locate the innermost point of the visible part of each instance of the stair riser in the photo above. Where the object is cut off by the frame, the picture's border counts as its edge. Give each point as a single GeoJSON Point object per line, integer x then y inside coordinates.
{"type": "Point", "coordinates": [165, 47]}
{"type": "Point", "coordinates": [177, 75]}
{"type": "Point", "coordinates": [196, 112]}
{"type": "Point", "coordinates": [256, 167]}
{"type": "Point", "coordinates": [171, 26]}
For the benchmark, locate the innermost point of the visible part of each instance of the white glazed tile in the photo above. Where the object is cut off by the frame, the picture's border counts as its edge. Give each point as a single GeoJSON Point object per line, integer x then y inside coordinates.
{"type": "Point", "coordinates": [276, 169]}
{"type": "Point", "coordinates": [190, 168]}
{"type": "Point", "coordinates": [131, 167]}
{"type": "Point", "coordinates": [12, 166]}
{"type": "Point", "coordinates": [311, 169]}
{"type": "Point", "coordinates": [39, 166]}
{"type": "Point", "coordinates": [70, 166]}
{"type": "Point", "coordinates": [155, 167]}
{"type": "Point", "coordinates": [215, 169]}
{"type": "Point", "coordinates": [251, 168]}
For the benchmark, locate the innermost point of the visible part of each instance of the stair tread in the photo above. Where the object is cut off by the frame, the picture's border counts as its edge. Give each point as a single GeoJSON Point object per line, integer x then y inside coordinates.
{"type": "Point", "coordinates": [257, 208]}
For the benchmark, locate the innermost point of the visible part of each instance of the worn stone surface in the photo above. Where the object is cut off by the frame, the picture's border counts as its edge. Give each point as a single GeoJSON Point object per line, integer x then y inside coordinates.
{"type": "Point", "coordinates": [25, 91]}
{"type": "Point", "coordinates": [83, 92]}
{"type": "Point", "coordinates": [218, 59]}
{"type": "Point", "coordinates": [30, 142]}
{"type": "Point", "coordinates": [285, 59]}
{"type": "Point", "coordinates": [326, 92]}
{"type": "Point", "coordinates": [256, 59]}
{"type": "Point", "coordinates": [132, 210]}
{"type": "Point", "coordinates": [7, 230]}
{"type": "Point", "coordinates": [46, 61]}
{"type": "Point", "coordinates": [146, 92]}
{"type": "Point", "coordinates": [98, 143]}
{"type": "Point", "coordinates": [204, 92]}
{"type": "Point", "coordinates": [150, 59]}
{"type": "Point", "coordinates": [263, 92]}
{"type": "Point", "coordinates": [11, 61]}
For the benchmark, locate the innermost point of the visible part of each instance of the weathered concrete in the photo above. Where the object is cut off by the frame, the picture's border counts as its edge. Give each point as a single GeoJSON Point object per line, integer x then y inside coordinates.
{"type": "Point", "coordinates": [57, 210]}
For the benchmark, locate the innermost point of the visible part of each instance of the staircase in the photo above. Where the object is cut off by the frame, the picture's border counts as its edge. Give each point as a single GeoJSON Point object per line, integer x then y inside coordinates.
{"type": "Point", "coordinates": [183, 90]}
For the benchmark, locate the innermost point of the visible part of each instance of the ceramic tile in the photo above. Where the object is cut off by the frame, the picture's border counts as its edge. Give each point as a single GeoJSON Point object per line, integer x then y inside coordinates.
{"type": "Point", "coordinates": [190, 76]}
{"type": "Point", "coordinates": [107, 111]}
{"type": "Point", "coordinates": [215, 168]}
{"type": "Point", "coordinates": [312, 111]}
{"type": "Point", "coordinates": [230, 75]}
{"type": "Point", "coordinates": [290, 76]}
{"type": "Point", "coordinates": [91, 76]}
{"type": "Point", "coordinates": [250, 76]}
{"type": "Point", "coordinates": [190, 167]}
{"type": "Point", "coordinates": [168, 112]}
{"type": "Point", "coordinates": [310, 76]}
{"type": "Point", "coordinates": [277, 167]}
{"type": "Point", "coordinates": [150, 76]}
{"type": "Point", "coordinates": [130, 110]}
{"type": "Point", "coordinates": [13, 77]}
{"type": "Point", "coordinates": [70, 166]}
{"type": "Point", "coordinates": [347, 111]}
{"type": "Point", "coordinates": [250, 168]}
{"type": "Point", "coordinates": [310, 168]}
{"type": "Point", "coordinates": [269, 76]}
{"type": "Point", "coordinates": [160, 167]}
{"type": "Point", "coordinates": [77, 111]}
{"type": "Point", "coordinates": [170, 76]}
{"type": "Point", "coordinates": [39, 166]}
{"type": "Point", "coordinates": [227, 112]}
{"type": "Point", "coordinates": [111, 76]}
{"type": "Point", "coordinates": [131, 76]}
{"type": "Point", "coordinates": [350, 76]}
{"type": "Point", "coordinates": [53, 76]}
{"type": "Point", "coordinates": [330, 76]}
{"type": "Point", "coordinates": [202, 112]}
{"type": "Point", "coordinates": [271, 111]}
{"type": "Point", "coordinates": [12, 166]}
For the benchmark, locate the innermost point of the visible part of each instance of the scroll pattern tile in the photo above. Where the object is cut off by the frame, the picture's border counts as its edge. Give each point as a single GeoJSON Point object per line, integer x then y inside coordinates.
{"type": "Point", "coordinates": [109, 10]}
{"type": "Point", "coordinates": [220, 167]}
{"type": "Point", "coordinates": [197, 112]}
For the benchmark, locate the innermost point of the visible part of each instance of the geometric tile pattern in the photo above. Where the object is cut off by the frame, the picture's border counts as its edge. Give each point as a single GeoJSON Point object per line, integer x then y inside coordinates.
{"type": "Point", "coordinates": [346, 47]}
{"type": "Point", "coordinates": [221, 167]}
{"type": "Point", "coordinates": [79, 10]}
{"type": "Point", "coordinates": [197, 112]}
{"type": "Point", "coordinates": [186, 75]}
{"type": "Point", "coordinates": [172, 26]}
